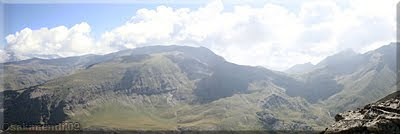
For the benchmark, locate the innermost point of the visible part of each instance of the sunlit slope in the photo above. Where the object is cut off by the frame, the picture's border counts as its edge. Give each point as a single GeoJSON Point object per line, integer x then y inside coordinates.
{"type": "Point", "coordinates": [167, 87]}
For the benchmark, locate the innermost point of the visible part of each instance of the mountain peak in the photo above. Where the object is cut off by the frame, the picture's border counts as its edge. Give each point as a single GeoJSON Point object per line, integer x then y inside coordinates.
{"type": "Point", "coordinates": [300, 68]}
{"type": "Point", "coordinates": [345, 52]}
{"type": "Point", "coordinates": [340, 57]}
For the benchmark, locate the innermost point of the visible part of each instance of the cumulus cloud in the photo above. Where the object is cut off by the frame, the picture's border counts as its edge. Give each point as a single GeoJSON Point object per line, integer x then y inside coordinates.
{"type": "Point", "coordinates": [4, 56]}
{"type": "Point", "coordinates": [275, 35]}
{"type": "Point", "coordinates": [59, 41]}
{"type": "Point", "coordinates": [245, 29]}
{"type": "Point", "coordinates": [272, 35]}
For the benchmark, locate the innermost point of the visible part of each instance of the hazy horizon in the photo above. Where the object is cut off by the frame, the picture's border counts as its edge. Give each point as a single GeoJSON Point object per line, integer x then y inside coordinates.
{"type": "Point", "coordinates": [199, 66]}
{"type": "Point", "coordinates": [272, 34]}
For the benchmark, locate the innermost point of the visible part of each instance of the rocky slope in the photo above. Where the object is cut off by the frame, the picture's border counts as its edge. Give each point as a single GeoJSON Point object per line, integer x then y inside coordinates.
{"type": "Point", "coordinates": [159, 87]}
{"type": "Point", "coordinates": [300, 68]}
{"type": "Point", "coordinates": [348, 80]}
{"type": "Point", "coordinates": [380, 117]}
{"type": "Point", "coordinates": [189, 88]}
{"type": "Point", "coordinates": [373, 79]}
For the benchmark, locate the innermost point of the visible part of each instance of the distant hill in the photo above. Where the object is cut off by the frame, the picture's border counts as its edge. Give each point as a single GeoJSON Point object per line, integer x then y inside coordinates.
{"type": "Point", "coordinates": [158, 87]}
{"type": "Point", "coordinates": [348, 80]}
{"type": "Point", "coordinates": [300, 68]}
{"type": "Point", "coordinates": [191, 88]}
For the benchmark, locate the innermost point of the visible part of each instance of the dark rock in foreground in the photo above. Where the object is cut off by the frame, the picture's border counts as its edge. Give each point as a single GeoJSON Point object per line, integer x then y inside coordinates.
{"type": "Point", "coordinates": [380, 117]}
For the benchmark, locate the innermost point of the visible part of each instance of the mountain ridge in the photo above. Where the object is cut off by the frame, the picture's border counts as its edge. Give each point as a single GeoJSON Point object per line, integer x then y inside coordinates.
{"type": "Point", "coordinates": [190, 88]}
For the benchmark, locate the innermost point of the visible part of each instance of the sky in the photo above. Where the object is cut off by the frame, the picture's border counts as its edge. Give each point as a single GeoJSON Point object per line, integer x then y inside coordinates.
{"type": "Point", "coordinates": [276, 34]}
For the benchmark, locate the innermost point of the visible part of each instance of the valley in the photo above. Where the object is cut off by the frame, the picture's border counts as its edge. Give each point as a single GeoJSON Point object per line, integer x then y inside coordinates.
{"type": "Point", "coordinates": [191, 88]}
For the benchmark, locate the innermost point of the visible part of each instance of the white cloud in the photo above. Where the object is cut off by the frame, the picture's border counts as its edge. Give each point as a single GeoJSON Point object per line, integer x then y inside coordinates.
{"type": "Point", "coordinates": [59, 41]}
{"type": "Point", "coordinates": [4, 56]}
{"type": "Point", "coordinates": [223, 32]}
{"type": "Point", "coordinates": [273, 35]}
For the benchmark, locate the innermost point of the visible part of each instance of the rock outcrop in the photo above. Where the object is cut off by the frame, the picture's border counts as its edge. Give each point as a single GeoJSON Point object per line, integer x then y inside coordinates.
{"type": "Point", "coordinates": [380, 117]}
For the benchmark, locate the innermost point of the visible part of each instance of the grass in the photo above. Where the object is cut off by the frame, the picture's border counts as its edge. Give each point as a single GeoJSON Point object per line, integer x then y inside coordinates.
{"type": "Point", "coordinates": [113, 115]}
{"type": "Point", "coordinates": [237, 112]}
{"type": "Point", "coordinates": [223, 114]}
{"type": "Point", "coordinates": [231, 113]}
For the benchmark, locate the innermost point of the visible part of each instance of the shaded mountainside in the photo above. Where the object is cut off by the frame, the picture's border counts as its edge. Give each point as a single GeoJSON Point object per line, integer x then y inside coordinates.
{"type": "Point", "coordinates": [373, 79]}
{"type": "Point", "coordinates": [321, 80]}
{"type": "Point", "coordinates": [348, 80]}
{"type": "Point", "coordinates": [300, 68]}
{"type": "Point", "coordinates": [159, 87]}
{"type": "Point", "coordinates": [380, 117]}
{"type": "Point", "coordinates": [190, 88]}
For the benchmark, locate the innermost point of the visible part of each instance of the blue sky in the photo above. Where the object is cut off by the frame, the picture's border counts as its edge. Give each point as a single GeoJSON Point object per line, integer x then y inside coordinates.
{"type": "Point", "coordinates": [101, 17]}
{"type": "Point", "coordinates": [276, 34]}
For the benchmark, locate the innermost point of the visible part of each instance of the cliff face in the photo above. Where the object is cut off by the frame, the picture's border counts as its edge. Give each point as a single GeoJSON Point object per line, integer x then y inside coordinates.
{"type": "Point", "coordinates": [380, 117]}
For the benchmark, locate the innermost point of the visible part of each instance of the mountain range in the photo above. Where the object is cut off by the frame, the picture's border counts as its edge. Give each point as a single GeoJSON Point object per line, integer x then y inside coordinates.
{"type": "Point", "coordinates": [191, 88]}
